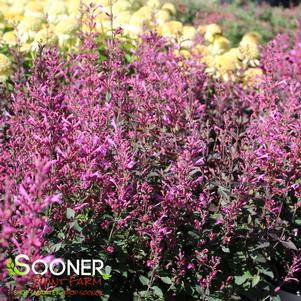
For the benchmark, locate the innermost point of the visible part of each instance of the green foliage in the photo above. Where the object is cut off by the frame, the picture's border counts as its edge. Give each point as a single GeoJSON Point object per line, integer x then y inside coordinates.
{"type": "Point", "coordinates": [238, 17]}
{"type": "Point", "coordinates": [266, 20]}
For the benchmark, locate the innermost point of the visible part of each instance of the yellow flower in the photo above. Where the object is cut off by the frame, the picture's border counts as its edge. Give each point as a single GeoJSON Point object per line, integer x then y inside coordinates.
{"type": "Point", "coordinates": [249, 54]}
{"type": "Point", "coordinates": [94, 2]}
{"type": "Point", "coordinates": [66, 31]}
{"type": "Point", "coordinates": [162, 16]}
{"type": "Point", "coordinates": [5, 67]}
{"type": "Point", "coordinates": [10, 38]}
{"type": "Point", "coordinates": [12, 18]}
{"type": "Point", "coordinates": [73, 7]}
{"type": "Point", "coordinates": [103, 27]}
{"type": "Point", "coordinates": [199, 50]}
{"type": "Point", "coordinates": [225, 66]}
{"type": "Point", "coordinates": [5, 63]}
{"type": "Point", "coordinates": [158, 30]}
{"type": "Point", "coordinates": [17, 8]}
{"type": "Point", "coordinates": [30, 24]}
{"type": "Point", "coordinates": [183, 52]}
{"type": "Point", "coordinates": [34, 9]}
{"type": "Point", "coordinates": [153, 4]}
{"type": "Point", "coordinates": [172, 29]}
{"type": "Point", "coordinates": [209, 60]}
{"type": "Point", "coordinates": [145, 11]}
{"type": "Point", "coordinates": [234, 52]}
{"type": "Point", "coordinates": [45, 36]}
{"type": "Point", "coordinates": [251, 38]}
{"type": "Point", "coordinates": [28, 28]}
{"type": "Point", "coordinates": [56, 11]}
{"type": "Point", "coordinates": [121, 19]}
{"type": "Point", "coordinates": [26, 47]}
{"type": "Point", "coordinates": [220, 45]}
{"type": "Point", "coordinates": [67, 26]}
{"type": "Point", "coordinates": [141, 17]}
{"type": "Point", "coordinates": [100, 18]}
{"type": "Point", "coordinates": [201, 29]}
{"type": "Point", "coordinates": [249, 49]}
{"type": "Point", "coordinates": [253, 77]}
{"type": "Point", "coordinates": [211, 31]}
{"type": "Point", "coordinates": [15, 13]}
{"type": "Point", "coordinates": [120, 6]}
{"type": "Point", "coordinates": [187, 37]}
{"type": "Point", "coordinates": [227, 62]}
{"type": "Point", "coordinates": [132, 31]}
{"type": "Point", "coordinates": [3, 10]}
{"type": "Point", "coordinates": [169, 7]}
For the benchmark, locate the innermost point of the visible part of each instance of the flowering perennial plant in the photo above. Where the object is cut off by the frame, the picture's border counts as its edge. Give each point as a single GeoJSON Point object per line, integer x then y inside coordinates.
{"type": "Point", "coordinates": [183, 185]}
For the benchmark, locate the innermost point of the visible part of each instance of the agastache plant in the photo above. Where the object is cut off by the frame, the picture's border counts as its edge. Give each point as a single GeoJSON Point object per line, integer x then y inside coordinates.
{"type": "Point", "coordinates": [183, 185]}
{"type": "Point", "coordinates": [24, 221]}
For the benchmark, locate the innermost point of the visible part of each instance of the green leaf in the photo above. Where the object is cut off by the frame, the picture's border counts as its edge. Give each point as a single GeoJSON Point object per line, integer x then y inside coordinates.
{"type": "Point", "coordinates": [260, 259]}
{"type": "Point", "coordinates": [12, 269]}
{"type": "Point", "coordinates": [226, 250]}
{"type": "Point", "coordinates": [249, 219]}
{"type": "Point", "coordinates": [266, 272]}
{"type": "Point", "coordinates": [213, 299]}
{"type": "Point", "coordinates": [298, 222]}
{"type": "Point", "coordinates": [225, 195]}
{"type": "Point", "coordinates": [144, 280]}
{"type": "Point", "coordinates": [77, 227]}
{"type": "Point", "coordinates": [70, 213]}
{"type": "Point", "coordinates": [105, 297]}
{"type": "Point", "coordinates": [140, 296]}
{"type": "Point", "coordinates": [157, 291]}
{"type": "Point", "coordinates": [105, 276]}
{"type": "Point", "coordinates": [129, 58]}
{"type": "Point", "coordinates": [108, 96]}
{"type": "Point", "coordinates": [57, 247]}
{"type": "Point", "coordinates": [194, 171]}
{"type": "Point", "coordinates": [239, 280]}
{"type": "Point", "coordinates": [82, 217]}
{"type": "Point", "coordinates": [255, 280]}
{"type": "Point", "coordinates": [166, 280]}
{"type": "Point", "coordinates": [199, 289]}
{"type": "Point", "coordinates": [108, 269]}
{"type": "Point", "coordinates": [193, 235]}
{"type": "Point", "coordinates": [107, 216]}
{"type": "Point", "coordinates": [263, 245]}
{"type": "Point", "coordinates": [289, 245]}
{"type": "Point", "coordinates": [61, 235]}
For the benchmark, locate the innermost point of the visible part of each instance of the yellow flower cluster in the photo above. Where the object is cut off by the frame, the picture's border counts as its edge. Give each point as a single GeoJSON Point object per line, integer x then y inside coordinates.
{"type": "Point", "coordinates": [226, 63]}
{"type": "Point", "coordinates": [5, 67]}
{"type": "Point", "coordinates": [29, 23]}
{"type": "Point", "coordinates": [35, 21]}
{"type": "Point", "coordinates": [233, 63]}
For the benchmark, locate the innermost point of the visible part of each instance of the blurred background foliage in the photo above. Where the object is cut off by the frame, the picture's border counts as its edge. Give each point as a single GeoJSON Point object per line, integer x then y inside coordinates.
{"type": "Point", "coordinates": [237, 17]}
